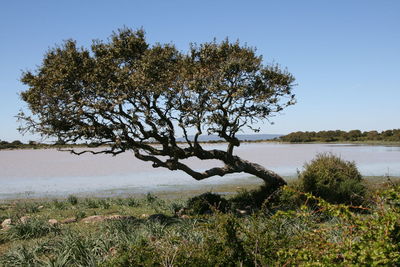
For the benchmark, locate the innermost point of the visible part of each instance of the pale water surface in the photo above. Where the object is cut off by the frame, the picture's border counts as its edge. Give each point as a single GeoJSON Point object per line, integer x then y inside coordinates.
{"type": "Point", "coordinates": [50, 173]}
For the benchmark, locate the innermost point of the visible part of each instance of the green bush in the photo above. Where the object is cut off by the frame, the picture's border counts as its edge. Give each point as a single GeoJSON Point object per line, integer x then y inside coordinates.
{"type": "Point", "coordinates": [91, 203]}
{"type": "Point", "coordinates": [73, 200]}
{"type": "Point", "coordinates": [59, 205]}
{"type": "Point", "coordinates": [94, 203]}
{"type": "Point", "coordinates": [333, 179]}
{"type": "Point", "coordinates": [285, 199]}
{"type": "Point", "coordinates": [349, 239]}
{"type": "Point", "coordinates": [23, 208]}
{"type": "Point", "coordinates": [206, 203]}
{"type": "Point", "coordinates": [131, 202]}
{"type": "Point", "coordinates": [253, 199]}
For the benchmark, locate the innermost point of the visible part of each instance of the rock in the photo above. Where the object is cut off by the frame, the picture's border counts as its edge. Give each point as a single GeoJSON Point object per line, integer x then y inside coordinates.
{"type": "Point", "coordinates": [120, 217]}
{"type": "Point", "coordinates": [24, 219]}
{"type": "Point", "coordinates": [184, 216]}
{"type": "Point", "coordinates": [101, 218]}
{"type": "Point", "coordinates": [53, 221]}
{"type": "Point", "coordinates": [94, 218]}
{"type": "Point", "coordinates": [6, 224]}
{"type": "Point", "coordinates": [144, 216]}
{"type": "Point", "coordinates": [68, 220]}
{"type": "Point", "coordinates": [40, 207]}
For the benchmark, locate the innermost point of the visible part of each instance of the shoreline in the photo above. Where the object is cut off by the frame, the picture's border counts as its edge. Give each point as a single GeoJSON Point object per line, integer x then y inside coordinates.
{"type": "Point", "coordinates": [183, 191]}
{"type": "Point", "coordinates": [173, 191]}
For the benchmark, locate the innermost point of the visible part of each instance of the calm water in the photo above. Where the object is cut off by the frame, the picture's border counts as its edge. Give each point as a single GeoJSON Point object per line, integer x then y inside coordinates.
{"type": "Point", "coordinates": [48, 172]}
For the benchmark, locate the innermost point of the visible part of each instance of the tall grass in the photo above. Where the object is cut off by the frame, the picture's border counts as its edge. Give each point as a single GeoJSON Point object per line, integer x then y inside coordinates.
{"type": "Point", "coordinates": [33, 228]}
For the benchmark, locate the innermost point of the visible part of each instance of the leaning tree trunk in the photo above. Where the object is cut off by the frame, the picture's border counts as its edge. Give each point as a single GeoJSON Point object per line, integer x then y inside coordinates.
{"type": "Point", "coordinates": [270, 178]}
{"type": "Point", "coordinates": [233, 164]}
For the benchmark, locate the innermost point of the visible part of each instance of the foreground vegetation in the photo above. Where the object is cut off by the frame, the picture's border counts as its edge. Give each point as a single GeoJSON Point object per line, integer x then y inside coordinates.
{"type": "Point", "coordinates": [290, 228]}
{"type": "Point", "coordinates": [329, 216]}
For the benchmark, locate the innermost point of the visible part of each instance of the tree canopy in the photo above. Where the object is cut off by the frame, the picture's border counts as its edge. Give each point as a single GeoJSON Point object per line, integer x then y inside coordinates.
{"type": "Point", "coordinates": [128, 94]}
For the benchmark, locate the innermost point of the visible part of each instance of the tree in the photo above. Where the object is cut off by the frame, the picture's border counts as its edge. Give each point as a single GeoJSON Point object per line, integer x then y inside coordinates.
{"type": "Point", "coordinates": [126, 94]}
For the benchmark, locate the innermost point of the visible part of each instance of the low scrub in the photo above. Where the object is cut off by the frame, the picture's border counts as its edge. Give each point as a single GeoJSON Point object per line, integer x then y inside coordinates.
{"type": "Point", "coordinates": [284, 231]}
{"type": "Point", "coordinates": [288, 238]}
{"type": "Point", "coordinates": [262, 197]}
{"type": "Point", "coordinates": [333, 179]}
{"type": "Point", "coordinates": [206, 203]}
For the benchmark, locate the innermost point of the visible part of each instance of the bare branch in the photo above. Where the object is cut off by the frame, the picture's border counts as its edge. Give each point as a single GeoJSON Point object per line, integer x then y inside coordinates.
{"type": "Point", "coordinates": [175, 165]}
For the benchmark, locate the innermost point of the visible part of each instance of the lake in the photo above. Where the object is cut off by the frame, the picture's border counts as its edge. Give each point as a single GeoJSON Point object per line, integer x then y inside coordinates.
{"type": "Point", "coordinates": [51, 173]}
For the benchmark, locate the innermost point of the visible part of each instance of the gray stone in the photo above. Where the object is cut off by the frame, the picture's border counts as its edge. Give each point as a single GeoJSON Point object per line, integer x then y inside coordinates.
{"type": "Point", "coordinates": [6, 224]}
{"type": "Point", "coordinates": [53, 221]}
{"type": "Point", "coordinates": [101, 218]}
{"type": "Point", "coordinates": [94, 218]}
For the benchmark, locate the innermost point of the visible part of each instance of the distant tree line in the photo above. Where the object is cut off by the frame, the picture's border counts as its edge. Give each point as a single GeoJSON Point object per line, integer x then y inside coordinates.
{"type": "Point", "coordinates": [342, 136]}
{"type": "Point", "coordinates": [13, 144]}
{"type": "Point", "coordinates": [18, 144]}
{"type": "Point", "coordinates": [295, 137]}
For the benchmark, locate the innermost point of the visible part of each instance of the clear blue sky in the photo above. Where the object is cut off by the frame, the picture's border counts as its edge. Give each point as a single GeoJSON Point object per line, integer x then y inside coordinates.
{"type": "Point", "coordinates": [345, 54]}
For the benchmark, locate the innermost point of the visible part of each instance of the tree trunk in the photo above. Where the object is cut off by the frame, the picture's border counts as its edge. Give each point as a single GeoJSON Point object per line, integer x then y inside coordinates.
{"type": "Point", "coordinates": [270, 178]}
{"type": "Point", "coordinates": [233, 164]}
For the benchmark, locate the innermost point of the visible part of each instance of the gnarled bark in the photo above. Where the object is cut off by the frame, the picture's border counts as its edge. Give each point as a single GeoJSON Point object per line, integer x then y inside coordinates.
{"type": "Point", "coordinates": [233, 164]}
{"type": "Point", "coordinates": [270, 178]}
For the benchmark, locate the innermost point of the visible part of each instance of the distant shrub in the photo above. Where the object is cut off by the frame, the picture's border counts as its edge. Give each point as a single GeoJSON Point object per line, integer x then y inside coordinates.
{"type": "Point", "coordinates": [206, 203]}
{"type": "Point", "coordinates": [131, 202]}
{"type": "Point", "coordinates": [72, 199]}
{"type": "Point", "coordinates": [95, 203]}
{"type": "Point", "coordinates": [59, 205]}
{"type": "Point", "coordinates": [80, 214]}
{"type": "Point", "coordinates": [333, 179]}
{"type": "Point", "coordinates": [23, 208]}
{"type": "Point", "coordinates": [150, 198]}
{"type": "Point", "coordinates": [104, 203]}
{"type": "Point", "coordinates": [91, 203]}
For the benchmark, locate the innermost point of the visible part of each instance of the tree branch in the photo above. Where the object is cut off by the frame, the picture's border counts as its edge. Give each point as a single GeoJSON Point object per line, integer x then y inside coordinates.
{"type": "Point", "coordinates": [175, 165]}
